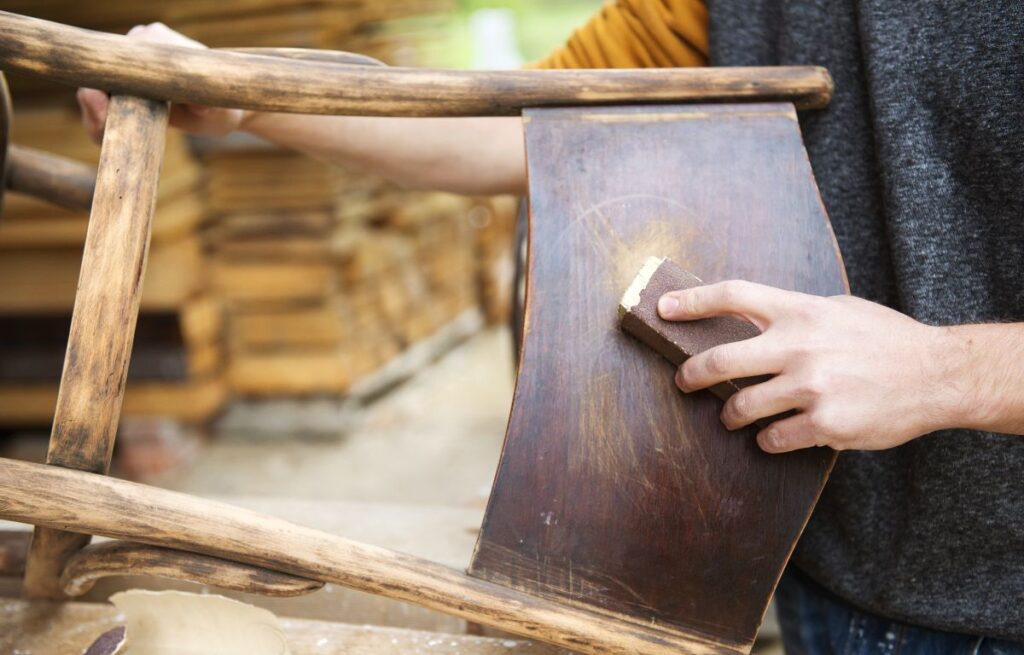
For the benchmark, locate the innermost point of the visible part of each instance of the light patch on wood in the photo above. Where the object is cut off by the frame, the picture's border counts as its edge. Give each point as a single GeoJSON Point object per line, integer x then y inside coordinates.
{"type": "Point", "coordinates": [631, 298]}
{"type": "Point", "coordinates": [180, 623]}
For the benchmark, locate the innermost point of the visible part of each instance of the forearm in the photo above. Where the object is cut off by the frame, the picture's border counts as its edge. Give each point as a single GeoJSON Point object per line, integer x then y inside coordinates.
{"type": "Point", "coordinates": [460, 155]}
{"type": "Point", "coordinates": [985, 371]}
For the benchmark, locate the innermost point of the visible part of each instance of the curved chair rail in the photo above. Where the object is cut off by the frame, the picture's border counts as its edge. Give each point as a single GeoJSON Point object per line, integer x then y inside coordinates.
{"type": "Point", "coordinates": [319, 83]}
{"type": "Point", "coordinates": [112, 558]}
{"type": "Point", "coordinates": [90, 503]}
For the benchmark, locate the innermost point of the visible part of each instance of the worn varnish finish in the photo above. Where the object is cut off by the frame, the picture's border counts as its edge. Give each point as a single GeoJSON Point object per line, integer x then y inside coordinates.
{"type": "Point", "coordinates": [103, 320]}
{"type": "Point", "coordinates": [57, 179]}
{"type": "Point", "coordinates": [616, 491]}
{"type": "Point", "coordinates": [61, 498]}
{"type": "Point", "coordinates": [111, 558]}
{"type": "Point", "coordinates": [315, 85]}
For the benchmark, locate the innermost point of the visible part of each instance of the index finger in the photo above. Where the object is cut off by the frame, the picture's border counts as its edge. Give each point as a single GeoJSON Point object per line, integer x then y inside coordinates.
{"type": "Point", "coordinates": [758, 303]}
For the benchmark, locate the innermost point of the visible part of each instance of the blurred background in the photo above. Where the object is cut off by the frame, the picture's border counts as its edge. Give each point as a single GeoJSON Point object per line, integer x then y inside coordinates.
{"type": "Point", "coordinates": [282, 293]}
{"type": "Point", "coordinates": [313, 341]}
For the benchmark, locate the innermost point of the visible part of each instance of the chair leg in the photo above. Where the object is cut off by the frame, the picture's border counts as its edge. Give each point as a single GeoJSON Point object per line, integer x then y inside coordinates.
{"type": "Point", "coordinates": [105, 313]}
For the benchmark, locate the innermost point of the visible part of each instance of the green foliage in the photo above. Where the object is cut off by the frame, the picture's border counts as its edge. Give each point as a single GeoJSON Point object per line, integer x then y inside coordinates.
{"type": "Point", "coordinates": [542, 25]}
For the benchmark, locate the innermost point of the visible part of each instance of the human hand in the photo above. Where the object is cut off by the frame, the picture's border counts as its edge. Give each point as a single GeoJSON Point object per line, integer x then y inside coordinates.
{"type": "Point", "coordinates": [196, 119]}
{"type": "Point", "coordinates": [860, 375]}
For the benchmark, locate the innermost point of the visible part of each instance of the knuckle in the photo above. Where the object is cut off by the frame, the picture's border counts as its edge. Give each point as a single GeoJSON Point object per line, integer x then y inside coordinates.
{"type": "Point", "coordinates": [690, 301]}
{"type": "Point", "coordinates": [731, 291]}
{"type": "Point", "coordinates": [740, 407]}
{"type": "Point", "coordinates": [718, 361]}
{"type": "Point", "coordinates": [814, 385]}
{"type": "Point", "coordinates": [772, 440]}
{"type": "Point", "coordinates": [799, 352]}
{"type": "Point", "coordinates": [824, 421]}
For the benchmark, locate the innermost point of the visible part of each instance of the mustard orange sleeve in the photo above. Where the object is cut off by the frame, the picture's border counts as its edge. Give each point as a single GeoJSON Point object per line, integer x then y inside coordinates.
{"type": "Point", "coordinates": [637, 34]}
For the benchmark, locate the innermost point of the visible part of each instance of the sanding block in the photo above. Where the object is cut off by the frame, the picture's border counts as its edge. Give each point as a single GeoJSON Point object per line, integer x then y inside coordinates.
{"type": "Point", "coordinates": [677, 341]}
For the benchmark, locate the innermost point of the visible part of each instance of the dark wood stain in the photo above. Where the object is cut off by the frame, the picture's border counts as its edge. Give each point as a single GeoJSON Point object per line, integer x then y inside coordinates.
{"type": "Point", "coordinates": [615, 490]}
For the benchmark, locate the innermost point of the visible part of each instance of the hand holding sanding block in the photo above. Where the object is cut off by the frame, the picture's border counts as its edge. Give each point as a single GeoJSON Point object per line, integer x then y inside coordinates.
{"type": "Point", "coordinates": [677, 341]}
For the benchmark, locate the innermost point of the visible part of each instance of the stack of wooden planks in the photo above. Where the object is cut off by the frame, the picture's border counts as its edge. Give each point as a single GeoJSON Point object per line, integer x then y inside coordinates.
{"type": "Point", "coordinates": [284, 277]}
{"type": "Point", "coordinates": [176, 368]}
{"type": "Point", "coordinates": [494, 222]}
{"type": "Point", "coordinates": [393, 31]}
{"type": "Point", "coordinates": [327, 275]}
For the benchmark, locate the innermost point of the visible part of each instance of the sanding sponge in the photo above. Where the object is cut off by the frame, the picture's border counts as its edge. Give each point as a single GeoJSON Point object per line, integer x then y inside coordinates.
{"type": "Point", "coordinates": [677, 341]}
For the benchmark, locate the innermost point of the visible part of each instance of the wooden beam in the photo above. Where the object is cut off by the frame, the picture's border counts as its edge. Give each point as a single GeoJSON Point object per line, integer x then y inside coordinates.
{"type": "Point", "coordinates": [105, 312]}
{"type": "Point", "coordinates": [79, 57]}
{"type": "Point", "coordinates": [87, 503]}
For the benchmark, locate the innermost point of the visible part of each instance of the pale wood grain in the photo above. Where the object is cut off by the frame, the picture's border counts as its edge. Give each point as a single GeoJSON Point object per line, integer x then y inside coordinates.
{"type": "Point", "coordinates": [233, 79]}
{"type": "Point", "coordinates": [104, 317]}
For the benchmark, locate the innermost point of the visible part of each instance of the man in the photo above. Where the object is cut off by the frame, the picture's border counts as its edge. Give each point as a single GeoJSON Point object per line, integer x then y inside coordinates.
{"type": "Point", "coordinates": [917, 545]}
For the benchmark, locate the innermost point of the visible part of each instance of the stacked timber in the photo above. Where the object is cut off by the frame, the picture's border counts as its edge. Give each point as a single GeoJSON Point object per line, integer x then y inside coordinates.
{"type": "Point", "coordinates": [396, 31]}
{"type": "Point", "coordinates": [327, 275]}
{"type": "Point", "coordinates": [176, 367]}
{"type": "Point", "coordinates": [326, 278]}
{"type": "Point", "coordinates": [494, 222]}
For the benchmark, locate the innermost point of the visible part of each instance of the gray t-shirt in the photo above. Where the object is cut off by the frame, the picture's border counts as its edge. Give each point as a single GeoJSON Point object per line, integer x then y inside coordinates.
{"type": "Point", "coordinates": [920, 161]}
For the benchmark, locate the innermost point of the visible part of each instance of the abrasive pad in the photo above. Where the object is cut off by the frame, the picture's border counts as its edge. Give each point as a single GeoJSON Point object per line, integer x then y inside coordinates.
{"type": "Point", "coordinates": [677, 341]}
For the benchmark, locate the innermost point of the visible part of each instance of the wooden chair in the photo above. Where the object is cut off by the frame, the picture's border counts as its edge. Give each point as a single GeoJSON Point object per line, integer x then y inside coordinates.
{"type": "Point", "coordinates": [624, 518]}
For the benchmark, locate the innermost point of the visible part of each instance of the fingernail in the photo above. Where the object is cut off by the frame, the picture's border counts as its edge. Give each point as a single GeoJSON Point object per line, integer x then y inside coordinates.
{"type": "Point", "coordinates": [667, 304]}
{"type": "Point", "coordinates": [679, 378]}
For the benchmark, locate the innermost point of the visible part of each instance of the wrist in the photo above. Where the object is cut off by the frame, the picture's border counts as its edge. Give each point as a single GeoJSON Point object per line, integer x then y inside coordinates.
{"type": "Point", "coordinates": [947, 392]}
{"type": "Point", "coordinates": [966, 396]}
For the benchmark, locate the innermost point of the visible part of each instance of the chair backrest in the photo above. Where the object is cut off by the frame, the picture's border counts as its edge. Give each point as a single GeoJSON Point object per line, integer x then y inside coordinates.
{"type": "Point", "coordinates": [615, 490]}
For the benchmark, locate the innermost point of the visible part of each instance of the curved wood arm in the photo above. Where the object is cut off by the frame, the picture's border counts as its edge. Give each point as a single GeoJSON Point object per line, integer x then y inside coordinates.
{"type": "Point", "coordinates": [50, 177]}
{"type": "Point", "coordinates": [248, 81]}
{"type": "Point", "coordinates": [111, 558]}
{"type": "Point", "coordinates": [89, 503]}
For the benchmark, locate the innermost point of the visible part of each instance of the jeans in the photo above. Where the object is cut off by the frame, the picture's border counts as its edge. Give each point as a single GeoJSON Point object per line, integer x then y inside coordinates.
{"type": "Point", "coordinates": [814, 622]}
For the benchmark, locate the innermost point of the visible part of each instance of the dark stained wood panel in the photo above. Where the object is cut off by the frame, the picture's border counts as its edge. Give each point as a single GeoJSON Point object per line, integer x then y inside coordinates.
{"type": "Point", "coordinates": [615, 490]}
